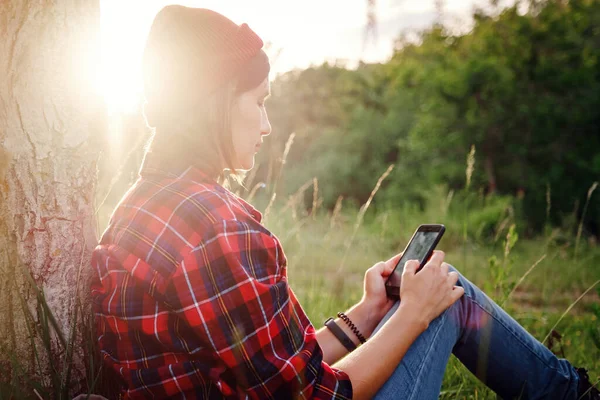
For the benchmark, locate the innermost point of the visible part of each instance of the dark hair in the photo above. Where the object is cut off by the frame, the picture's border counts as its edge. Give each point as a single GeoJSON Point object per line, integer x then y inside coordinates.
{"type": "Point", "coordinates": [198, 135]}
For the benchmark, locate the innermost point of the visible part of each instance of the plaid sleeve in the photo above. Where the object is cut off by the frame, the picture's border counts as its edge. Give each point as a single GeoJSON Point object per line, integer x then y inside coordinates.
{"type": "Point", "coordinates": [232, 291]}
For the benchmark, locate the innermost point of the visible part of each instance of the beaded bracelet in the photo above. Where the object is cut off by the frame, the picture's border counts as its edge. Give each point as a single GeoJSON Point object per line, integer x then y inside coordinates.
{"type": "Point", "coordinates": [353, 327]}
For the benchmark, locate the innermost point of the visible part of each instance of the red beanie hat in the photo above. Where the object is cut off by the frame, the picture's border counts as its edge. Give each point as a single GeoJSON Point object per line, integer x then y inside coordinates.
{"type": "Point", "coordinates": [196, 50]}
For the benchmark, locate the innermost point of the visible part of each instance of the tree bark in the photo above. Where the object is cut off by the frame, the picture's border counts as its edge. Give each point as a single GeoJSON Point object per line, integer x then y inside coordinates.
{"type": "Point", "coordinates": [51, 124]}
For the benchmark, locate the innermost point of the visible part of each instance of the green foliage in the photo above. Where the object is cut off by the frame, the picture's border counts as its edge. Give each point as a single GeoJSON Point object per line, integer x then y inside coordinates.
{"type": "Point", "coordinates": [523, 88]}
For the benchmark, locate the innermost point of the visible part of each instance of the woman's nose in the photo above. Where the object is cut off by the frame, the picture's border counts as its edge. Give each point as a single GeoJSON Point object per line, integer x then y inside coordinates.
{"type": "Point", "coordinates": [265, 129]}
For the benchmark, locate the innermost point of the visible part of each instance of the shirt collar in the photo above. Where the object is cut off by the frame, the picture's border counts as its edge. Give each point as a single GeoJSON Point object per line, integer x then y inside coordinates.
{"type": "Point", "coordinates": [151, 167]}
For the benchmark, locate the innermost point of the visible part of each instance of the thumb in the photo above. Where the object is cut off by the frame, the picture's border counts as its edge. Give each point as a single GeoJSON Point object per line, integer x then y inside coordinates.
{"type": "Point", "coordinates": [411, 267]}
{"type": "Point", "coordinates": [394, 260]}
{"type": "Point", "coordinates": [390, 264]}
{"type": "Point", "coordinates": [387, 270]}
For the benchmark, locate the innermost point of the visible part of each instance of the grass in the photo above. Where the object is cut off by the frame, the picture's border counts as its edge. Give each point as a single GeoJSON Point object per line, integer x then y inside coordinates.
{"type": "Point", "coordinates": [549, 285]}
{"type": "Point", "coordinates": [543, 302]}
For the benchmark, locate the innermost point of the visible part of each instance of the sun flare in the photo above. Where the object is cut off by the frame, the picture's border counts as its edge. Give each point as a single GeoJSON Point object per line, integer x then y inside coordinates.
{"type": "Point", "coordinates": [281, 24]}
{"type": "Point", "coordinates": [124, 26]}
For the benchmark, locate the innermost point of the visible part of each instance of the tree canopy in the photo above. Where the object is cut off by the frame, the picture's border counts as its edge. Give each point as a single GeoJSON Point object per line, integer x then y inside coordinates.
{"type": "Point", "coordinates": [522, 87]}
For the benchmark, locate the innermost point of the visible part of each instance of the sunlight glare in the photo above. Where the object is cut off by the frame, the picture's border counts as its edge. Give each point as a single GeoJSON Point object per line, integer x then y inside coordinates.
{"type": "Point", "coordinates": [306, 33]}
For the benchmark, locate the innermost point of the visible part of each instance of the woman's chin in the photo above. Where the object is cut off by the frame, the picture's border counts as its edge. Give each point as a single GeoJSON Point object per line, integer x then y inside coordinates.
{"type": "Point", "coordinates": [248, 165]}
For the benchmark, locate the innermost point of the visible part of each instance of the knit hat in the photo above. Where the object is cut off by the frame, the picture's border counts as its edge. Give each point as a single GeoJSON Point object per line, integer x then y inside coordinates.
{"type": "Point", "coordinates": [190, 52]}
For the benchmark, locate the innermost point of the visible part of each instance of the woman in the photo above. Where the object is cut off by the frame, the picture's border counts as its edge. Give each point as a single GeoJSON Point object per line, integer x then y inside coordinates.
{"type": "Point", "coordinates": [192, 298]}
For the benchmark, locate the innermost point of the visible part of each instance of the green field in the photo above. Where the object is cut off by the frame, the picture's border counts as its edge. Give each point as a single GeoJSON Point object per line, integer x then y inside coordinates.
{"type": "Point", "coordinates": [316, 247]}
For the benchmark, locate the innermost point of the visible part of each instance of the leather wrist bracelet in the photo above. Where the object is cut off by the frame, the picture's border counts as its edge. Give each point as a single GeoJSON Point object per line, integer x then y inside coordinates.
{"type": "Point", "coordinates": [340, 334]}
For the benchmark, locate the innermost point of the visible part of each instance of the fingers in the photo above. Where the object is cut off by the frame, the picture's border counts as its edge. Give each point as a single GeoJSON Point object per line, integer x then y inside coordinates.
{"type": "Point", "coordinates": [393, 261]}
{"type": "Point", "coordinates": [411, 267]}
{"type": "Point", "coordinates": [437, 258]}
{"type": "Point", "coordinates": [452, 278]}
{"type": "Point", "coordinates": [435, 262]}
{"type": "Point", "coordinates": [385, 268]}
{"type": "Point", "coordinates": [382, 268]}
{"type": "Point", "coordinates": [457, 293]}
{"type": "Point", "coordinates": [444, 268]}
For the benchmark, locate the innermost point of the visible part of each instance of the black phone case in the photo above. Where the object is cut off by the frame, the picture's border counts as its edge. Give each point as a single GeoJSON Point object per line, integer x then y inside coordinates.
{"type": "Point", "coordinates": [394, 291]}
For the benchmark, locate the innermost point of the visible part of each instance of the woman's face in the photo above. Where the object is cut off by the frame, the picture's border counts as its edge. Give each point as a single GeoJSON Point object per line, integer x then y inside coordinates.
{"type": "Point", "coordinates": [249, 123]}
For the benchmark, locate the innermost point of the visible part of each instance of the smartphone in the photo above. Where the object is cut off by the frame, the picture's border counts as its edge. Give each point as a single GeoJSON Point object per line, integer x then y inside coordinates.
{"type": "Point", "coordinates": [420, 247]}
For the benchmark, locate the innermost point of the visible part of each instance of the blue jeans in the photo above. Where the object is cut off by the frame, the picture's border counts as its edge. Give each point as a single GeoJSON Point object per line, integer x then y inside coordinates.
{"type": "Point", "coordinates": [492, 345]}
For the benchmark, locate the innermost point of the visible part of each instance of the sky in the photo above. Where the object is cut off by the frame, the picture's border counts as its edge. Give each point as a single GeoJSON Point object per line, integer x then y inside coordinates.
{"type": "Point", "coordinates": [304, 33]}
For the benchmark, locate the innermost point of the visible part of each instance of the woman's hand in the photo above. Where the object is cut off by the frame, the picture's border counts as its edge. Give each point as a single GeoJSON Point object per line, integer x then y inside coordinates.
{"type": "Point", "coordinates": [432, 290]}
{"type": "Point", "coordinates": [424, 296]}
{"type": "Point", "coordinates": [375, 298]}
{"type": "Point", "coordinates": [366, 314]}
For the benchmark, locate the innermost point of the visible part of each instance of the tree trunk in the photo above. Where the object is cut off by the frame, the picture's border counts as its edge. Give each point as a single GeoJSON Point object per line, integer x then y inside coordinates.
{"type": "Point", "coordinates": [51, 124]}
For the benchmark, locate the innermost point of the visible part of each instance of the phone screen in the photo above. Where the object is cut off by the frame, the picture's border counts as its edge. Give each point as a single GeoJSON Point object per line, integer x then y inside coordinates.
{"type": "Point", "coordinates": [416, 250]}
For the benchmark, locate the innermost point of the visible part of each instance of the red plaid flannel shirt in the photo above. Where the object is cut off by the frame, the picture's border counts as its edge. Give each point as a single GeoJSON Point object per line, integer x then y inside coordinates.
{"type": "Point", "coordinates": [192, 300]}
